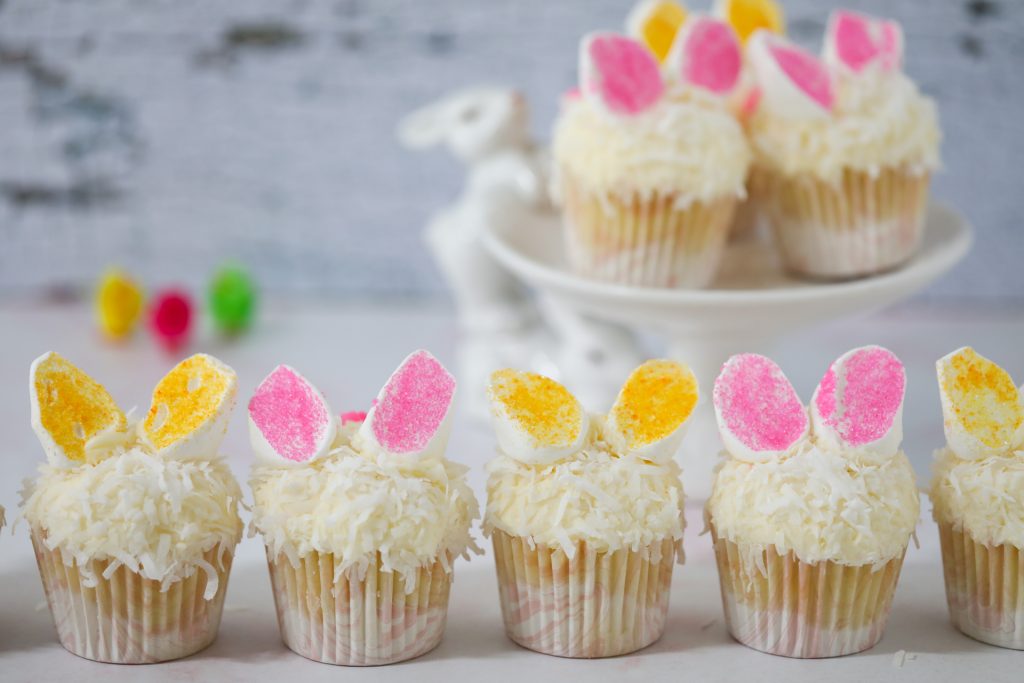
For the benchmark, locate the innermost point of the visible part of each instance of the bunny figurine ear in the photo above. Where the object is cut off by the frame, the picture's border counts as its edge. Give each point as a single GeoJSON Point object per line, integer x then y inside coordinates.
{"type": "Point", "coordinates": [793, 83]}
{"type": "Point", "coordinates": [536, 420]}
{"type": "Point", "coordinates": [859, 402]}
{"type": "Point", "coordinates": [706, 54]}
{"type": "Point", "coordinates": [191, 408]}
{"type": "Point", "coordinates": [411, 416]}
{"type": "Point", "coordinates": [981, 406]}
{"type": "Point", "coordinates": [68, 409]}
{"type": "Point", "coordinates": [289, 420]}
{"type": "Point", "coordinates": [651, 410]}
{"type": "Point", "coordinates": [655, 23]}
{"type": "Point", "coordinates": [619, 73]}
{"type": "Point", "coordinates": [760, 417]}
{"type": "Point", "coordinates": [424, 127]}
{"type": "Point", "coordinates": [854, 42]}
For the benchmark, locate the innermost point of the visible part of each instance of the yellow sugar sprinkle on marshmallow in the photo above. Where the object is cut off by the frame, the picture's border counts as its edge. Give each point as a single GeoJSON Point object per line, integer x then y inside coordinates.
{"type": "Point", "coordinates": [192, 393]}
{"type": "Point", "coordinates": [656, 399]}
{"type": "Point", "coordinates": [658, 25]}
{"type": "Point", "coordinates": [984, 398]}
{"type": "Point", "coordinates": [73, 407]}
{"type": "Point", "coordinates": [542, 407]}
{"type": "Point", "coordinates": [747, 16]}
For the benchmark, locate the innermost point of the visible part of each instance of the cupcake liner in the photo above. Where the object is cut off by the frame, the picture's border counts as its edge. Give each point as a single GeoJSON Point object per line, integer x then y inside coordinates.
{"type": "Point", "coordinates": [366, 622]}
{"type": "Point", "coordinates": [984, 588]}
{"type": "Point", "coordinates": [862, 225]}
{"type": "Point", "coordinates": [804, 610]}
{"type": "Point", "coordinates": [746, 220]}
{"type": "Point", "coordinates": [126, 619]}
{"type": "Point", "coordinates": [595, 604]}
{"type": "Point", "coordinates": [644, 240]}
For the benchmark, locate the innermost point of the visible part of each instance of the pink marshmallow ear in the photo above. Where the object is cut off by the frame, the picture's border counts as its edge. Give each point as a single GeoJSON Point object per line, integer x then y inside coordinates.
{"type": "Point", "coordinates": [707, 54]}
{"type": "Point", "coordinates": [859, 402]}
{"type": "Point", "coordinates": [759, 413]}
{"type": "Point", "coordinates": [619, 73]}
{"type": "Point", "coordinates": [793, 82]}
{"type": "Point", "coordinates": [856, 41]}
{"type": "Point", "coordinates": [289, 419]}
{"type": "Point", "coordinates": [411, 413]}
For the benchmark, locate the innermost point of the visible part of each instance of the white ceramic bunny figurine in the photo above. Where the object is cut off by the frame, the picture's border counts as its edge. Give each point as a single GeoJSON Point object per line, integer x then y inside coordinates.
{"type": "Point", "coordinates": [487, 128]}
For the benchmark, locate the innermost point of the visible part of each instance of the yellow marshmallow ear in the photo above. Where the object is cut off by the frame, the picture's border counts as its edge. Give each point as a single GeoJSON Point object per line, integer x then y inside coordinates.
{"type": "Point", "coordinates": [655, 23]}
{"type": "Point", "coordinates": [191, 407]}
{"type": "Point", "coordinates": [68, 409]}
{"type": "Point", "coordinates": [536, 420]}
{"type": "Point", "coordinates": [981, 406]}
{"type": "Point", "coordinates": [651, 410]}
{"type": "Point", "coordinates": [747, 16]}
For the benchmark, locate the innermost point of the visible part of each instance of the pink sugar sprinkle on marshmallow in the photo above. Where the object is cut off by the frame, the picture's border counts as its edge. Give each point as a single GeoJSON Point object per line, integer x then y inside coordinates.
{"type": "Point", "coordinates": [858, 41]}
{"type": "Point", "coordinates": [758, 405]}
{"type": "Point", "coordinates": [861, 395]}
{"type": "Point", "coordinates": [622, 72]}
{"type": "Point", "coordinates": [805, 72]}
{"type": "Point", "coordinates": [413, 405]}
{"type": "Point", "coordinates": [352, 416]}
{"type": "Point", "coordinates": [291, 415]}
{"type": "Point", "coordinates": [710, 54]}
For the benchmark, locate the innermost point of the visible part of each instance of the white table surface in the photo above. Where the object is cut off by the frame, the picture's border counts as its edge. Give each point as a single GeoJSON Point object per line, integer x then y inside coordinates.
{"type": "Point", "coordinates": [349, 353]}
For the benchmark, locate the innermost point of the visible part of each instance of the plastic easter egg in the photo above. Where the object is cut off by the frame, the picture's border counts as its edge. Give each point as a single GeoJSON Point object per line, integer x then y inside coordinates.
{"type": "Point", "coordinates": [232, 299]}
{"type": "Point", "coordinates": [170, 318]}
{"type": "Point", "coordinates": [118, 304]}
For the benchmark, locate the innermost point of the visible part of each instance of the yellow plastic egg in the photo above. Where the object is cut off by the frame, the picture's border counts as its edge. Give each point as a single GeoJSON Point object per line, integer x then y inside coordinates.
{"type": "Point", "coordinates": [118, 303]}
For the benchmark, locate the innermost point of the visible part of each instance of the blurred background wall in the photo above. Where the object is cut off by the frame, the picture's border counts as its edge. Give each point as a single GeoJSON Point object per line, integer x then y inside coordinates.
{"type": "Point", "coordinates": [167, 135]}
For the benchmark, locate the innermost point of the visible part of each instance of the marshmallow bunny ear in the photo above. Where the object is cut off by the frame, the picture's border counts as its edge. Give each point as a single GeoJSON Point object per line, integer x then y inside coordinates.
{"type": "Point", "coordinates": [536, 420]}
{"type": "Point", "coordinates": [793, 83]}
{"type": "Point", "coordinates": [854, 42]}
{"type": "Point", "coordinates": [289, 420]}
{"type": "Point", "coordinates": [859, 402]}
{"type": "Point", "coordinates": [760, 417]}
{"type": "Point", "coordinates": [655, 23]}
{"type": "Point", "coordinates": [650, 413]}
{"type": "Point", "coordinates": [68, 409]}
{"type": "Point", "coordinates": [981, 406]}
{"type": "Point", "coordinates": [412, 413]}
{"type": "Point", "coordinates": [619, 73]}
{"type": "Point", "coordinates": [747, 16]}
{"type": "Point", "coordinates": [191, 408]}
{"type": "Point", "coordinates": [706, 54]}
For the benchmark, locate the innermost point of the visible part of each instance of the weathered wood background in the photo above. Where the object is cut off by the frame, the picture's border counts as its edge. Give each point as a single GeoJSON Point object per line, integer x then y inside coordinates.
{"type": "Point", "coordinates": [171, 134]}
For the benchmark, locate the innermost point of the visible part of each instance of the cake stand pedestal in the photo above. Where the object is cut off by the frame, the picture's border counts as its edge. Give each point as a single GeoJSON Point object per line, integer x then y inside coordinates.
{"type": "Point", "coordinates": [751, 304]}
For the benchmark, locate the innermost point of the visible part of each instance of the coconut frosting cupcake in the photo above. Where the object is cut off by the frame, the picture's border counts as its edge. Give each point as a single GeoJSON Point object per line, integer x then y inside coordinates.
{"type": "Point", "coordinates": [649, 160]}
{"type": "Point", "coordinates": [843, 148]}
{"type": "Point", "coordinates": [134, 522]}
{"type": "Point", "coordinates": [977, 498]}
{"type": "Point", "coordinates": [810, 506]}
{"type": "Point", "coordinates": [586, 511]}
{"type": "Point", "coordinates": [362, 515]}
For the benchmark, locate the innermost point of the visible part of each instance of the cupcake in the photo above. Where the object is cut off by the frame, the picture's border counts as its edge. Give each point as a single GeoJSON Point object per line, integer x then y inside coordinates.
{"type": "Point", "coordinates": [843, 149]}
{"type": "Point", "coordinates": [362, 516]}
{"type": "Point", "coordinates": [977, 498]}
{"type": "Point", "coordinates": [649, 160]}
{"type": "Point", "coordinates": [811, 515]}
{"type": "Point", "coordinates": [586, 511]}
{"type": "Point", "coordinates": [134, 522]}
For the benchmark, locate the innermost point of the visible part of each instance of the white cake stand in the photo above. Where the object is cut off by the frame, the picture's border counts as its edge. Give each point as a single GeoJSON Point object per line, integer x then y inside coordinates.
{"type": "Point", "coordinates": [751, 303]}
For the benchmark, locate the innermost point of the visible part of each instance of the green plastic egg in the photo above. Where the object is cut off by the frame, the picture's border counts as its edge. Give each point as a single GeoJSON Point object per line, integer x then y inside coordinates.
{"type": "Point", "coordinates": [232, 299]}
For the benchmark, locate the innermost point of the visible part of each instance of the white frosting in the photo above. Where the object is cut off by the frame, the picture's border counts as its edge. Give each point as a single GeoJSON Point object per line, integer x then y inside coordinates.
{"type": "Point", "coordinates": [984, 497]}
{"type": "Point", "coordinates": [688, 145]}
{"type": "Point", "coordinates": [880, 120]}
{"type": "Point", "coordinates": [597, 496]}
{"type": "Point", "coordinates": [819, 504]}
{"type": "Point", "coordinates": [157, 517]}
{"type": "Point", "coordinates": [354, 504]}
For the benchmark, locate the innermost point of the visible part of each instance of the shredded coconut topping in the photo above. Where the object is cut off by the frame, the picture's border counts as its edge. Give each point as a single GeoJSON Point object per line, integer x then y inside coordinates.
{"type": "Point", "coordinates": [156, 517]}
{"type": "Point", "coordinates": [985, 497]}
{"type": "Point", "coordinates": [688, 145]}
{"type": "Point", "coordinates": [820, 504]}
{"type": "Point", "coordinates": [607, 500]}
{"type": "Point", "coordinates": [354, 504]}
{"type": "Point", "coordinates": [877, 123]}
